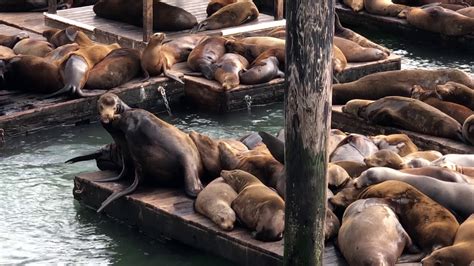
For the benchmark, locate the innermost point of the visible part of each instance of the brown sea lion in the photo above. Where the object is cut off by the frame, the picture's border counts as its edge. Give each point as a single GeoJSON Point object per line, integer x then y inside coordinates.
{"type": "Point", "coordinates": [118, 67]}
{"type": "Point", "coordinates": [362, 243]}
{"type": "Point", "coordinates": [28, 5]}
{"type": "Point", "coordinates": [468, 129]}
{"type": "Point", "coordinates": [454, 197]}
{"type": "Point", "coordinates": [258, 207]}
{"type": "Point", "coordinates": [253, 47]}
{"type": "Point", "coordinates": [161, 153]}
{"type": "Point", "coordinates": [355, 5]}
{"type": "Point", "coordinates": [60, 37]}
{"type": "Point", "coordinates": [354, 169]}
{"type": "Point", "coordinates": [337, 176]}
{"type": "Point", "coordinates": [262, 71]}
{"type": "Point", "coordinates": [345, 197]}
{"type": "Point", "coordinates": [214, 202]}
{"type": "Point", "coordinates": [57, 55]}
{"type": "Point", "coordinates": [356, 53]}
{"type": "Point", "coordinates": [214, 5]}
{"type": "Point", "coordinates": [467, 11]}
{"type": "Point", "coordinates": [383, 7]}
{"type": "Point", "coordinates": [385, 158]}
{"type": "Point", "coordinates": [227, 68]}
{"type": "Point", "coordinates": [430, 225]}
{"type": "Point", "coordinates": [354, 147]}
{"type": "Point", "coordinates": [234, 14]}
{"type": "Point", "coordinates": [339, 60]}
{"type": "Point", "coordinates": [439, 173]}
{"type": "Point", "coordinates": [10, 40]}
{"type": "Point", "coordinates": [460, 253]}
{"type": "Point", "coordinates": [165, 17]}
{"type": "Point", "coordinates": [400, 143]}
{"type": "Point", "coordinates": [430, 155]}
{"type": "Point", "coordinates": [207, 52]}
{"type": "Point", "coordinates": [456, 93]}
{"type": "Point", "coordinates": [440, 20]}
{"type": "Point", "coordinates": [396, 83]}
{"type": "Point", "coordinates": [32, 47]}
{"type": "Point", "coordinates": [466, 160]}
{"type": "Point", "coordinates": [278, 32]}
{"type": "Point", "coordinates": [410, 114]}
{"type": "Point", "coordinates": [6, 53]}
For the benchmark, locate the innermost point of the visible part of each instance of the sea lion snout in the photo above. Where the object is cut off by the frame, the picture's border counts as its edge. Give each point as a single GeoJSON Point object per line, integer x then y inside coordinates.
{"type": "Point", "coordinates": [107, 107]}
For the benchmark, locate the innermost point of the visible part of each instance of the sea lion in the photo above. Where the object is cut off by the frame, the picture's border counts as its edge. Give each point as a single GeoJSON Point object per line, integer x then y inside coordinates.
{"type": "Point", "coordinates": [430, 225]}
{"type": "Point", "coordinates": [214, 202]}
{"type": "Point", "coordinates": [339, 60]}
{"type": "Point", "coordinates": [258, 207]}
{"type": "Point", "coordinates": [57, 55]}
{"type": "Point", "coordinates": [356, 53]}
{"type": "Point", "coordinates": [385, 158]}
{"type": "Point", "coordinates": [383, 7]}
{"type": "Point", "coordinates": [207, 52]}
{"type": "Point", "coordinates": [362, 243]}
{"type": "Point", "coordinates": [400, 143]}
{"type": "Point", "coordinates": [118, 67]}
{"type": "Point", "coordinates": [6, 53]}
{"type": "Point", "coordinates": [396, 83]}
{"type": "Point", "coordinates": [27, 5]}
{"type": "Point", "coordinates": [460, 253]}
{"type": "Point", "coordinates": [429, 155]}
{"type": "Point", "coordinates": [214, 5]}
{"type": "Point", "coordinates": [355, 5]}
{"type": "Point", "coordinates": [417, 163]}
{"type": "Point", "coordinates": [410, 114]}
{"type": "Point", "coordinates": [456, 93]}
{"type": "Point", "coordinates": [331, 225]}
{"type": "Point", "coordinates": [161, 153]}
{"type": "Point", "coordinates": [345, 197]}
{"type": "Point", "coordinates": [261, 71]}
{"type": "Point", "coordinates": [454, 197]}
{"type": "Point", "coordinates": [32, 47]}
{"type": "Point", "coordinates": [439, 173]}
{"type": "Point", "coordinates": [234, 14]}
{"type": "Point", "coordinates": [467, 11]}
{"type": "Point", "coordinates": [60, 37]}
{"type": "Point", "coordinates": [466, 160]}
{"type": "Point", "coordinates": [468, 129]}
{"type": "Point", "coordinates": [354, 147]}
{"type": "Point", "coordinates": [165, 17]}
{"type": "Point", "coordinates": [10, 40]}
{"type": "Point", "coordinates": [159, 56]}
{"type": "Point", "coordinates": [337, 176]}
{"type": "Point", "coordinates": [440, 20]}
{"type": "Point", "coordinates": [227, 69]}
{"type": "Point", "coordinates": [108, 157]}
{"type": "Point", "coordinates": [253, 47]}
{"type": "Point", "coordinates": [354, 169]}
{"type": "Point", "coordinates": [278, 32]}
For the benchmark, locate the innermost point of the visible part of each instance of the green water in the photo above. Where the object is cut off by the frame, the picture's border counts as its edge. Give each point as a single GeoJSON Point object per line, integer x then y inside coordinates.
{"type": "Point", "coordinates": [40, 223]}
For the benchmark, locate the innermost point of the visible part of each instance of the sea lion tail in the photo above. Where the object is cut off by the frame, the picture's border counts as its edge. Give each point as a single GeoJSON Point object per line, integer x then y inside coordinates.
{"type": "Point", "coordinates": [119, 194]}
{"type": "Point", "coordinates": [82, 158]}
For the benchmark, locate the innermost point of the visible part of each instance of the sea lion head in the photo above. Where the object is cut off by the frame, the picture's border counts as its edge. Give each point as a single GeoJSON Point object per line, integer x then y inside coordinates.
{"type": "Point", "coordinates": [369, 177]}
{"type": "Point", "coordinates": [385, 158]}
{"type": "Point", "coordinates": [230, 82]}
{"type": "Point", "coordinates": [356, 107]}
{"type": "Point", "coordinates": [110, 107]}
{"type": "Point", "coordinates": [22, 35]}
{"type": "Point", "coordinates": [157, 38]}
{"type": "Point", "coordinates": [345, 197]}
{"type": "Point", "coordinates": [238, 179]}
{"type": "Point", "coordinates": [417, 163]}
{"type": "Point", "coordinates": [224, 216]}
{"type": "Point", "coordinates": [439, 257]}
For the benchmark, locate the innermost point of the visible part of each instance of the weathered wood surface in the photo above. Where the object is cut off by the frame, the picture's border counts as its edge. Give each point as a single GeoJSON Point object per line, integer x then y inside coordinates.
{"type": "Point", "coordinates": [209, 95]}
{"type": "Point", "coordinates": [9, 30]}
{"type": "Point", "coordinates": [108, 31]}
{"type": "Point", "coordinates": [168, 212]}
{"type": "Point", "coordinates": [398, 25]}
{"type": "Point", "coordinates": [29, 21]}
{"type": "Point", "coordinates": [349, 123]}
{"type": "Point", "coordinates": [25, 113]}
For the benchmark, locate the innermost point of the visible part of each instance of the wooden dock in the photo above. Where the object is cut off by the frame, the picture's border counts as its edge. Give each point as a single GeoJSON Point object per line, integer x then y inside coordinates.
{"type": "Point", "coordinates": [400, 26]}
{"type": "Point", "coordinates": [168, 212]}
{"type": "Point", "coordinates": [109, 31]}
{"type": "Point", "coordinates": [28, 21]}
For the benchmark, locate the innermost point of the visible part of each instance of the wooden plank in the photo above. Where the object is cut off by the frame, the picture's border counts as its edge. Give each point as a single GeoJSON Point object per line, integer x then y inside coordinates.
{"type": "Point", "coordinates": [147, 19]}
{"type": "Point", "coordinates": [145, 210]}
{"type": "Point", "coordinates": [28, 21]}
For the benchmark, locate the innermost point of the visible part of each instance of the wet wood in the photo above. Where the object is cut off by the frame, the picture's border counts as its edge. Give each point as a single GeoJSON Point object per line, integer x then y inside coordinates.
{"type": "Point", "coordinates": [160, 212]}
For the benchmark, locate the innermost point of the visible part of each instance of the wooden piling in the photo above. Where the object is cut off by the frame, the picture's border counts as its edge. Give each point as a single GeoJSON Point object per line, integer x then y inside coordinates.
{"type": "Point", "coordinates": [52, 6]}
{"type": "Point", "coordinates": [147, 19]}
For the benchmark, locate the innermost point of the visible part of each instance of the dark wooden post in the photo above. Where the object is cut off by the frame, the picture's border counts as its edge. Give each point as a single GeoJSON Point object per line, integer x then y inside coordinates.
{"type": "Point", "coordinates": [52, 6]}
{"type": "Point", "coordinates": [278, 9]}
{"type": "Point", "coordinates": [147, 19]}
{"type": "Point", "coordinates": [309, 36]}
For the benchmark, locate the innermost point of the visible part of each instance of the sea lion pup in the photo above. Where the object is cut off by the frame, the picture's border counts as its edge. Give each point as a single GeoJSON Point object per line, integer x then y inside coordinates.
{"type": "Point", "coordinates": [354, 147]}
{"type": "Point", "coordinates": [339, 60]}
{"type": "Point", "coordinates": [355, 5]}
{"type": "Point", "coordinates": [32, 47]}
{"type": "Point", "coordinates": [385, 158]}
{"type": "Point", "coordinates": [460, 253]}
{"type": "Point", "coordinates": [363, 243]}
{"type": "Point", "coordinates": [429, 224]}
{"type": "Point", "coordinates": [356, 53]}
{"type": "Point", "coordinates": [467, 11]}
{"type": "Point", "coordinates": [214, 202]}
{"type": "Point", "coordinates": [234, 14]}
{"type": "Point", "coordinates": [441, 20]}
{"type": "Point", "coordinates": [10, 40]}
{"type": "Point", "coordinates": [107, 157]}
{"type": "Point", "coordinates": [118, 67]}
{"type": "Point", "coordinates": [440, 173]}
{"type": "Point", "coordinates": [262, 71]}
{"type": "Point", "coordinates": [165, 17]}
{"type": "Point", "coordinates": [456, 93]}
{"type": "Point", "coordinates": [453, 197]}
{"type": "Point", "coordinates": [410, 114]}
{"type": "Point", "coordinates": [161, 153]}
{"type": "Point", "coordinates": [60, 37]}
{"type": "Point", "coordinates": [227, 68]}
{"type": "Point", "coordinates": [383, 7]}
{"type": "Point", "coordinates": [258, 207]}
{"type": "Point", "coordinates": [400, 143]}
{"type": "Point", "coordinates": [207, 52]}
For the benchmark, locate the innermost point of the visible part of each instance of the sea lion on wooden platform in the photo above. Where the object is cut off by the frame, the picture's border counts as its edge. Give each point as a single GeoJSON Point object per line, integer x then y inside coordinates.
{"type": "Point", "coordinates": [354, 169]}
{"type": "Point", "coordinates": [278, 32]}
{"type": "Point", "coordinates": [396, 83]}
{"type": "Point", "coordinates": [385, 158]}
{"type": "Point", "coordinates": [439, 173]}
{"type": "Point", "coordinates": [227, 68]}
{"type": "Point", "coordinates": [262, 71]}
{"type": "Point", "coordinates": [207, 52]}
{"type": "Point", "coordinates": [429, 155]}
{"type": "Point", "coordinates": [468, 129]}
{"type": "Point", "coordinates": [252, 47]}
{"type": "Point", "coordinates": [383, 7]}
{"type": "Point", "coordinates": [215, 5]}
{"type": "Point", "coordinates": [354, 147]}
{"type": "Point", "coordinates": [456, 93]}
{"type": "Point", "coordinates": [118, 67]}
{"type": "Point", "coordinates": [460, 253]}
{"type": "Point", "coordinates": [234, 14]}
{"type": "Point", "coordinates": [355, 5]}
{"type": "Point", "coordinates": [440, 20]}
{"type": "Point", "coordinates": [32, 47]}
{"type": "Point", "coordinates": [165, 17]}
{"type": "Point", "coordinates": [60, 37]}
{"type": "Point", "coordinates": [10, 40]}
{"type": "Point", "coordinates": [362, 243]}
{"type": "Point", "coordinates": [353, 52]}
{"type": "Point", "coordinates": [57, 55]}
{"type": "Point", "coordinates": [400, 143]}
{"type": "Point", "coordinates": [214, 202]}
{"type": "Point", "coordinates": [257, 206]}
{"type": "Point", "coordinates": [466, 160]}
{"type": "Point", "coordinates": [108, 157]}
{"type": "Point", "coordinates": [161, 153]}
{"type": "Point", "coordinates": [337, 176]}
{"type": "Point", "coordinates": [467, 11]}
{"type": "Point", "coordinates": [339, 60]}
{"type": "Point", "coordinates": [6, 53]}
{"type": "Point", "coordinates": [27, 5]}
{"type": "Point", "coordinates": [430, 225]}
{"type": "Point", "coordinates": [453, 197]}
{"type": "Point", "coordinates": [410, 114]}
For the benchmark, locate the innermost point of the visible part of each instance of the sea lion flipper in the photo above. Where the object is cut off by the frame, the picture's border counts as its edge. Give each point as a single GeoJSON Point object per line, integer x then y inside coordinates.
{"type": "Point", "coordinates": [122, 193]}
{"type": "Point", "coordinates": [274, 145]}
{"type": "Point", "coordinates": [173, 75]}
{"type": "Point", "coordinates": [252, 140]}
{"type": "Point", "coordinates": [82, 158]}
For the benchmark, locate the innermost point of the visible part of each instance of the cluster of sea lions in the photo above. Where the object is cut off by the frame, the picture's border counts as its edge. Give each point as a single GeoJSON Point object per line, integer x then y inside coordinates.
{"type": "Point", "coordinates": [452, 18]}
{"type": "Point", "coordinates": [433, 102]}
